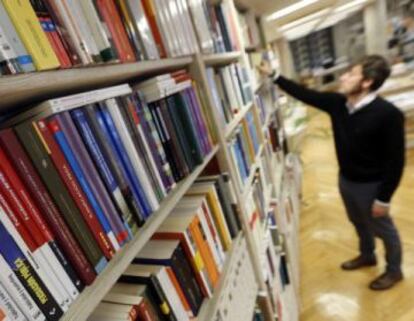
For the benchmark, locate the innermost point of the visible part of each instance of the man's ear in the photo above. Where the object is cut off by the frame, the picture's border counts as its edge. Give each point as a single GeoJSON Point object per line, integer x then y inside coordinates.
{"type": "Point", "coordinates": [366, 84]}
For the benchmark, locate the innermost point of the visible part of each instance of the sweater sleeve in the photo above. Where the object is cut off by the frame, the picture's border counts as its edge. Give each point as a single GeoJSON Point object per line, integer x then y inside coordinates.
{"type": "Point", "coordinates": [321, 100]}
{"type": "Point", "coordinates": [394, 149]}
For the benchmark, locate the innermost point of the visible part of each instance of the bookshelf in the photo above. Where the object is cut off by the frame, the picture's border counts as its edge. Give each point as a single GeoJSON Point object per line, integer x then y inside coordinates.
{"type": "Point", "coordinates": [31, 88]}
{"type": "Point", "coordinates": [92, 295]}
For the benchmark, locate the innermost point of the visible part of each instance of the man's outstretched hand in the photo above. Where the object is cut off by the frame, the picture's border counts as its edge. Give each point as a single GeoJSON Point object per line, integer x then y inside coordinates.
{"type": "Point", "coordinates": [266, 69]}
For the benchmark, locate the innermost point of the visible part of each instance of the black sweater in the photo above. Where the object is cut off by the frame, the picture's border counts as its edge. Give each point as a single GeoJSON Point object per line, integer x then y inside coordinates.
{"type": "Point", "coordinates": [370, 143]}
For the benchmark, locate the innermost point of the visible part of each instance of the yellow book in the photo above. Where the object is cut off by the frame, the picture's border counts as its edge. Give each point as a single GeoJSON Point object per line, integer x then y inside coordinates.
{"type": "Point", "coordinates": [208, 189]}
{"type": "Point", "coordinates": [31, 33]}
{"type": "Point", "coordinates": [247, 137]}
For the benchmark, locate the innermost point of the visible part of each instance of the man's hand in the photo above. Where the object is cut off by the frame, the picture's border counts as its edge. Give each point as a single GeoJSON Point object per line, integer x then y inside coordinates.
{"type": "Point", "coordinates": [379, 210]}
{"type": "Point", "coordinates": [265, 68]}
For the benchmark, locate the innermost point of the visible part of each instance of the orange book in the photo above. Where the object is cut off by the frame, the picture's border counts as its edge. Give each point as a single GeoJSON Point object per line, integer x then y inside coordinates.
{"type": "Point", "coordinates": [109, 12]}
{"type": "Point", "coordinates": [152, 21]}
{"type": "Point", "coordinates": [202, 244]}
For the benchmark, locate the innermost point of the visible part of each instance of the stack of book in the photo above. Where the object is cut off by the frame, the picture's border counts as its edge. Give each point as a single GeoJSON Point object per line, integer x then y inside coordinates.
{"type": "Point", "coordinates": [182, 263]}
{"type": "Point", "coordinates": [50, 34]}
{"type": "Point", "coordinates": [79, 175]}
{"type": "Point", "coordinates": [231, 91]}
{"type": "Point", "coordinates": [244, 146]}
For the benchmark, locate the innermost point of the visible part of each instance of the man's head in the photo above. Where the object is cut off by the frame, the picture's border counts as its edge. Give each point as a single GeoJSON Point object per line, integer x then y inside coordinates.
{"type": "Point", "coordinates": [365, 76]}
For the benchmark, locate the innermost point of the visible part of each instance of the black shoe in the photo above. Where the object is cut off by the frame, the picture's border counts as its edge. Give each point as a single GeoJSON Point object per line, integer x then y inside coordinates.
{"type": "Point", "coordinates": [385, 281]}
{"type": "Point", "coordinates": [357, 263]}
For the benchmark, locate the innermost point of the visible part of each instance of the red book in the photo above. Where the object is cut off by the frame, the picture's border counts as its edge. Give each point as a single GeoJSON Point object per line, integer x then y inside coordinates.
{"type": "Point", "coordinates": [109, 12]}
{"type": "Point", "coordinates": [75, 190]}
{"type": "Point", "coordinates": [32, 181]}
{"type": "Point", "coordinates": [152, 21]}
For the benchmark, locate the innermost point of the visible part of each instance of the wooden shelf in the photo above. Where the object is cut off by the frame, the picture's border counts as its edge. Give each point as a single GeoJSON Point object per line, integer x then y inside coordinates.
{"type": "Point", "coordinates": [92, 295]}
{"type": "Point", "coordinates": [236, 120]}
{"type": "Point", "coordinates": [210, 305]}
{"type": "Point", "coordinates": [221, 58]}
{"type": "Point", "coordinates": [31, 88]}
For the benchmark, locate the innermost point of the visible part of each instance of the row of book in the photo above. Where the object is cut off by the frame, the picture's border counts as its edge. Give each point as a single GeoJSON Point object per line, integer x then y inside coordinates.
{"type": "Point", "coordinates": [243, 146]}
{"type": "Point", "coordinates": [231, 90]}
{"type": "Point", "coordinates": [79, 175]}
{"type": "Point", "coordinates": [181, 265]}
{"type": "Point", "coordinates": [250, 29]}
{"type": "Point", "coordinates": [50, 34]}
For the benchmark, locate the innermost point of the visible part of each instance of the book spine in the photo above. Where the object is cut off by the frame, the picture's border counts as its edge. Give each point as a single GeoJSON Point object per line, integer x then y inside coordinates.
{"type": "Point", "coordinates": [137, 186]}
{"type": "Point", "coordinates": [12, 310]}
{"type": "Point", "coordinates": [178, 288]}
{"type": "Point", "coordinates": [8, 58]}
{"type": "Point", "coordinates": [110, 14]}
{"type": "Point", "coordinates": [28, 27]}
{"type": "Point", "coordinates": [65, 140]}
{"type": "Point", "coordinates": [74, 180]}
{"type": "Point", "coordinates": [226, 201]}
{"type": "Point", "coordinates": [23, 58]}
{"type": "Point", "coordinates": [28, 276]}
{"type": "Point", "coordinates": [31, 243]}
{"type": "Point", "coordinates": [39, 152]}
{"type": "Point", "coordinates": [102, 166]}
{"type": "Point", "coordinates": [32, 181]}
{"type": "Point", "coordinates": [152, 21]}
{"type": "Point", "coordinates": [60, 266]}
{"type": "Point", "coordinates": [113, 109]}
{"type": "Point", "coordinates": [110, 153]}
{"type": "Point", "coordinates": [18, 293]}
{"type": "Point", "coordinates": [154, 141]}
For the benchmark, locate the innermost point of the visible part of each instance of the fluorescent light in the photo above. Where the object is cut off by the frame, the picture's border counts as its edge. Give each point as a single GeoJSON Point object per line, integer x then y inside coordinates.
{"type": "Point", "coordinates": [303, 20]}
{"type": "Point", "coordinates": [290, 9]}
{"type": "Point", "coordinates": [349, 5]}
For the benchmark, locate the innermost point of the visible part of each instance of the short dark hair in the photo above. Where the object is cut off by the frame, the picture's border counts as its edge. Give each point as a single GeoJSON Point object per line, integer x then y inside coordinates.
{"type": "Point", "coordinates": [375, 68]}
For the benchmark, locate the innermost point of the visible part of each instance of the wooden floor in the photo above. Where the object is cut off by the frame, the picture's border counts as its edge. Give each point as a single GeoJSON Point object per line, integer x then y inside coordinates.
{"type": "Point", "coordinates": [327, 239]}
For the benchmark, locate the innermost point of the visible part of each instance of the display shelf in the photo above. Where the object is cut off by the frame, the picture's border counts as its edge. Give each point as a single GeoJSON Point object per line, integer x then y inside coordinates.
{"type": "Point", "coordinates": [221, 58]}
{"type": "Point", "coordinates": [210, 305]}
{"type": "Point", "coordinates": [17, 90]}
{"type": "Point", "coordinates": [253, 169]}
{"type": "Point", "coordinates": [92, 295]}
{"type": "Point", "coordinates": [236, 120]}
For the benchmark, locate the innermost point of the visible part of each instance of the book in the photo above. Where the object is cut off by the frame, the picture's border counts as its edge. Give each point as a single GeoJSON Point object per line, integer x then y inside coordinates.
{"type": "Point", "coordinates": [27, 276]}
{"type": "Point", "coordinates": [18, 293]}
{"type": "Point", "coordinates": [140, 304]}
{"type": "Point", "coordinates": [65, 133]}
{"type": "Point", "coordinates": [7, 303]}
{"type": "Point", "coordinates": [8, 57]}
{"type": "Point", "coordinates": [24, 60]}
{"type": "Point", "coordinates": [58, 261]}
{"type": "Point", "coordinates": [150, 13]}
{"type": "Point", "coordinates": [34, 39]}
{"type": "Point", "coordinates": [102, 166]}
{"type": "Point", "coordinates": [170, 253]}
{"type": "Point", "coordinates": [28, 134]}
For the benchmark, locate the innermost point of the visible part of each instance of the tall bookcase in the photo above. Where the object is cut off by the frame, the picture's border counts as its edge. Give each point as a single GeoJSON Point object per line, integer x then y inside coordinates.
{"type": "Point", "coordinates": [247, 250]}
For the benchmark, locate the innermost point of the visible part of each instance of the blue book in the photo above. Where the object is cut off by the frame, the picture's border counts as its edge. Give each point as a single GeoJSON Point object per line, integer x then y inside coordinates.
{"type": "Point", "coordinates": [83, 182]}
{"type": "Point", "coordinates": [101, 164]}
{"type": "Point", "coordinates": [28, 276]}
{"type": "Point", "coordinates": [126, 162]}
{"type": "Point", "coordinates": [240, 165]}
{"type": "Point", "coordinates": [242, 153]}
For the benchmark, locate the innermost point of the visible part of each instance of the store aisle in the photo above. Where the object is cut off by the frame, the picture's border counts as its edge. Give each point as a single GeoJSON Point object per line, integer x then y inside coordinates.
{"type": "Point", "coordinates": [327, 239]}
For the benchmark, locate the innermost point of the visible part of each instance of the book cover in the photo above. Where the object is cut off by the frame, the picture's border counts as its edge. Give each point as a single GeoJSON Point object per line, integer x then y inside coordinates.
{"type": "Point", "coordinates": [27, 276]}
{"type": "Point", "coordinates": [51, 213]}
{"type": "Point", "coordinates": [65, 133]}
{"type": "Point", "coordinates": [28, 27]}
{"type": "Point", "coordinates": [23, 58]}
{"type": "Point", "coordinates": [98, 127]}
{"type": "Point", "coordinates": [102, 166]}
{"type": "Point", "coordinates": [117, 142]}
{"type": "Point", "coordinates": [35, 146]}
{"type": "Point", "coordinates": [58, 261]}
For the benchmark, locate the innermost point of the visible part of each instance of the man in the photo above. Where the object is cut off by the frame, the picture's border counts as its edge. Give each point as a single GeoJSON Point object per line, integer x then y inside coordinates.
{"type": "Point", "coordinates": [370, 147]}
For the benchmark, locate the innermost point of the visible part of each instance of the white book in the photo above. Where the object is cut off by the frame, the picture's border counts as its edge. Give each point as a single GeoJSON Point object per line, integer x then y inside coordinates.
{"type": "Point", "coordinates": [143, 29]}
{"type": "Point", "coordinates": [60, 8]}
{"type": "Point", "coordinates": [202, 28]}
{"type": "Point", "coordinates": [188, 25]}
{"type": "Point", "coordinates": [236, 85]}
{"type": "Point", "coordinates": [95, 25]}
{"type": "Point", "coordinates": [18, 293]}
{"type": "Point", "coordinates": [169, 11]}
{"type": "Point", "coordinates": [6, 50]}
{"type": "Point", "coordinates": [167, 36]}
{"type": "Point", "coordinates": [113, 109]}
{"type": "Point", "coordinates": [37, 259]}
{"type": "Point", "coordinates": [12, 310]}
{"type": "Point", "coordinates": [155, 94]}
{"type": "Point", "coordinates": [177, 18]}
{"type": "Point", "coordinates": [230, 89]}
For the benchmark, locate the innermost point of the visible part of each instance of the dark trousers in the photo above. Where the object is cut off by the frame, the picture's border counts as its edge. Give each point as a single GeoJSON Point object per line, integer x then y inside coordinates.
{"type": "Point", "coordinates": [358, 199]}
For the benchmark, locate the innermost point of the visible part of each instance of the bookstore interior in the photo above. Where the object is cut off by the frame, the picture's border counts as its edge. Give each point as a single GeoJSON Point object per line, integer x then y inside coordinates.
{"type": "Point", "coordinates": [117, 205]}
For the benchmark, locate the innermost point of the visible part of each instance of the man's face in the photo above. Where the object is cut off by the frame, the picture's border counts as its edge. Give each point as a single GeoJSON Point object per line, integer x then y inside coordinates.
{"type": "Point", "coordinates": [352, 82]}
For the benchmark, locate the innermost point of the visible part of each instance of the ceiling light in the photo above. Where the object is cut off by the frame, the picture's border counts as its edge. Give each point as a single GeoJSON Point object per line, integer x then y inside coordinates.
{"type": "Point", "coordinates": [350, 5]}
{"type": "Point", "coordinates": [290, 9]}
